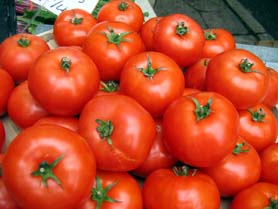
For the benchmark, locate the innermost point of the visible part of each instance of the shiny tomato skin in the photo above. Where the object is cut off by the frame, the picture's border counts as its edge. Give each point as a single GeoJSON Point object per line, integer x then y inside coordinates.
{"type": "Point", "coordinates": [269, 159]}
{"type": "Point", "coordinates": [196, 142]}
{"type": "Point", "coordinates": [23, 109]}
{"type": "Point", "coordinates": [225, 76]}
{"type": "Point", "coordinates": [60, 91]}
{"type": "Point", "coordinates": [6, 87]}
{"type": "Point", "coordinates": [163, 189]}
{"type": "Point", "coordinates": [260, 133]}
{"type": "Point", "coordinates": [164, 86]}
{"type": "Point", "coordinates": [236, 167]}
{"type": "Point", "coordinates": [2, 134]}
{"type": "Point", "coordinates": [186, 48]}
{"type": "Point", "coordinates": [46, 143]}
{"type": "Point", "coordinates": [110, 56]}
{"type": "Point", "coordinates": [271, 98]}
{"type": "Point", "coordinates": [17, 59]}
{"type": "Point", "coordinates": [256, 196]}
{"type": "Point", "coordinates": [71, 27]}
{"type": "Point", "coordinates": [217, 41]}
{"type": "Point", "coordinates": [132, 131]}
{"type": "Point", "coordinates": [126, 191]}
{"type": "Point", "coordinates": [125, 11]}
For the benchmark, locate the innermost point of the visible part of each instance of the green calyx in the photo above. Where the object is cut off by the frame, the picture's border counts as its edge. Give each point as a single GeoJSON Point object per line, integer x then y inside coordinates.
{"type": "Point", "coordinates": [105, 130]}
{"type": "Point", "coordinates": [239, 148]}
{"type": "Point", "coordinates": [149, 71]}
{"type": "Point", "coordinates": [24, 42]}
{"type": "Point", "coordinates": [115, 38]}
{"type": "Point", "coordinates": [181, 29]}
{"type": "Point", "coordinates": [209, 35]}
{"type": "Point", "coordinates": [183, 171]}
{"type": "Point", "coordinates": [273, 204]}
{"type": "Point", "coordinates": [246, 67]}
{"type": "Point", "coordinates": [45, 171]}
{"type": "Point", "coordinates": [109, 86]}
{"type": "Point", "coordinates": [257, 116]}
{"type": "Point", "coordinates": [123, 6]}
{"type": "Point", "coordinates": [99, 194]}
{"type": "Point", "coordinates": [65, 64]}
{"type": "Point", "coordinates": [202, 112]}
{"type": "Point", "coordinates": [76, 21]}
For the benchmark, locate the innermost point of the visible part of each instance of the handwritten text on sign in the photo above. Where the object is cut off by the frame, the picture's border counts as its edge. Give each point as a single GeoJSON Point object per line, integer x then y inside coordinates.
{"type": "Point", "coordinates": [57, 6]}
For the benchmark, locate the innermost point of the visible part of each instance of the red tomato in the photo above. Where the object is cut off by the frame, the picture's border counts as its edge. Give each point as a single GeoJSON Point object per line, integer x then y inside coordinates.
{"type": "Point", "coordinates": [114, 190]}
{"type": "Point", "coordinates": [2, 135]}
{"type": "Point", "coordinates": [217, 41]}
{"type": "Point", "coordinates": [258, 126]}
{"type": "Point", "coordinates": [71, 27]}
{"type": "Point", "coordinates": [175, 189]}
{"type": "Point", "coordinates": [240, 76]}
{"type": "Point", "coordinates": [119, 130]}
{"type": "Point", "coordinates": [22, 108]}
{"type": "Point", "coordinates": [158, 157]}
{"type": "Point", "coordinates": [258, 196]}
{"type": "Point", "coordinates": [124, 11]}
{"type": "Point", "coordinates": [189, 91]}
{"type": "Point", "coordinates": [57, 168]}
{"type": "Point", "coordinates": [19, 52]}
{"type": "Point", "coordinates": [110, 44]}
{"type": "Point", "coordinates": [195, 74]}
{"type": "Point", "coordinates": [200, 129]}
{"type": "Point", "coordinates": [180, 37]}
{"type": "Point", "coordinates": [6, 87]}
{"type": "Point", "coordinates": [271, 98]}
{"type": "Point", "coordinates": [69, 80]}
{"type": "Point", "coordinates": [147, 32]}
{"type": "Point", "coordinates": [269, 159]}
{"type": "Point", "coordinates": [152, 76]}
{"type": "Point", "coordinates": [236, 168]}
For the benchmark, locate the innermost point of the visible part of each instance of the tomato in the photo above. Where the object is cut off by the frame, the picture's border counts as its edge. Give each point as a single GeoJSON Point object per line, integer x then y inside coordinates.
{"type": "Point", "coordinates": [271, 98]}
{"type": "Point", "coordinates": [119, 130]}
{"type": "Point", "coordinates": [124, 11]}
{"type": "Point", "coordinates": [22, 108]}
{"type": "Point", "coordinates": [152, 76]}
{"type": "Point", "coordinates": [200, 129]}
{"type": "Point", "coordinates": [110, 44]}
{"type": "Point", "coordinates": [67, 122]}
{"type": "Point", "coordinates": [6, 87]}
{"type": "Point", "coordinates": [180, 37]}
{"type": "Point", "coordinates": [236, 167]}
{"type": "Point", "coordinates": [158, 157]}
{"type": "Point", "coordinates": [2, 135]}
{"type": "Point", "coordinates": [48, 166]}
{"type": "Point", "coordinates": [217, 41]}
{"type": "Point", "coordinates": [195, 74]}
{"type": "Point", "coordinates": [114, 190]}
{"type": "Point", "coordinates": [269, 159]}
{"type": "Point", "coordinates": [240, 76]}
{"type": "Point", "coordinates": [258, 196]}
{"type": "Point", "coordinates": [19, 52]}
{"type": "Point", "coordinates": [188, 91]}
{"type": "Point", "coordinates": [258, 126]}
{"type": "Point", "coordinates": [68, 81]}
{"type": "Point", "coordinates": [147, 32]}
{"type": "Point", "coordinates": [71, 27]}
{"type": "Point", "coordinates": [175, 189]}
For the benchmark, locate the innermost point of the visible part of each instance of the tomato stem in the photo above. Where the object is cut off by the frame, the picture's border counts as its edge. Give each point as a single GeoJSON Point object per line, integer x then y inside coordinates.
{"type": "Point", "coordinates": [99, 194]}
{"type": "Point", "coordinates": [257, 116]}
{"type": "Point", "coordinates": [65, 64]}
{"type": "Point", "coordinates": [123, 6]}
{"type": "Point", "coordinates": [149, 71]}
{"type": "Point", "coordinates": [105, 130]}
{"type": "Point", "coordinates": [273, 204]}
{"type": "Point", "coordinates": [109, 86]}
{"type": "Point", "coordinates": [115, 38]}
{"type": "Point", "coordinates": [209, 35]}
{"type": "Point", "coordinates": [76, 21]}
{"type": "Point", "coordinates": [45, 171]}
{"type": "Point", "coordinates": [202, 112]}
{"type": "Point", "coordinates": [181, 29]}
{"type": "Point", "coordinates": [23, 42]}
{"type": "Point", "coordinates": [245, 66]}
{"type": "Point", "coordinates": [183, 171]}
{"type": "Point", "coordinates": [239, 148]}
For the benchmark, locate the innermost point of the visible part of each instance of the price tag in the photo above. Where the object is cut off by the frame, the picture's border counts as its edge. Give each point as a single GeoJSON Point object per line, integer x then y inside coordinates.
{"type": "Point", "coordinates": [57, 6]}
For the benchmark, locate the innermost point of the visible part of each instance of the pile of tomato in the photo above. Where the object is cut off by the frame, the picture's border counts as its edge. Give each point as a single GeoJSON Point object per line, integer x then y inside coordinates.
{"type": "Point", "coordinates": [132, 114]}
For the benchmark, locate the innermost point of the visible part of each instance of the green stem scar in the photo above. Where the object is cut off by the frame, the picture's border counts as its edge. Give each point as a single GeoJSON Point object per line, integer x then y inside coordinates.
{"type": "Point", "coordinates": [202, 112]}
{"type": "Point", "coordinates": [105, 130]}
{"type": "Point", "coordinates": [181, 29]}
{"type": "Point", "coordinates": [116, 38]}
{"type": "Point", "coordinates": [149, 71]}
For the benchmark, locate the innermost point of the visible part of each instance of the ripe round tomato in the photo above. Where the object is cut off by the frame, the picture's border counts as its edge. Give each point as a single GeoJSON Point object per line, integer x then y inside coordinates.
{"type": "Point", "coordinates": [152, 76]}
{"type": "Point", "coordinates": [217, 41]}
{"type": "Point", "coordinates": [19, 52]}
{"type": "Point", "coordinates": [258, 196]}
{"type": "Point", "coordinates": [240, 76]}
{"type": "Point", "coordinates": [175, 189]}
{"type": "Point", "coordinates": [2, 135]}
{"type": "Point", "coordinates": [271, 98]}
{"type": "Point", "coordinates": [269, 159]}
{"type": "Point", "coordinates": [236, 167]}
{"type": "Point", "coordinates": [22, 108]}
{"type": "Point", "coordinates": [110, 44]}
{"type": "Point", "coordinates": [180, 37]}
{"type": "Point", "coordinates": [71, 27]}
{"type": "Point", "coordinates": [69, 80]}
{"type": "Point", "coordinates": [48, 166]}
{"type": "Point", "coordinates": [119, 130]}
{"type": "Point", "coordinates": [200, 129]}
{"type": "Point", "coordinates": [258, 126]}
{"type": "Point", "coordinates": [6, 87]}
{"type": "Point", "coordinates": [124, 11]}
{"type": "Point", "coordinates": [114, 190]}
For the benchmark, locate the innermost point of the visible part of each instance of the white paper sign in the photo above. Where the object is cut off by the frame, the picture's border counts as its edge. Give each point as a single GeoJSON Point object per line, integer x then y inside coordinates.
{"type": "Point", "coordinates": [57, 6]}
